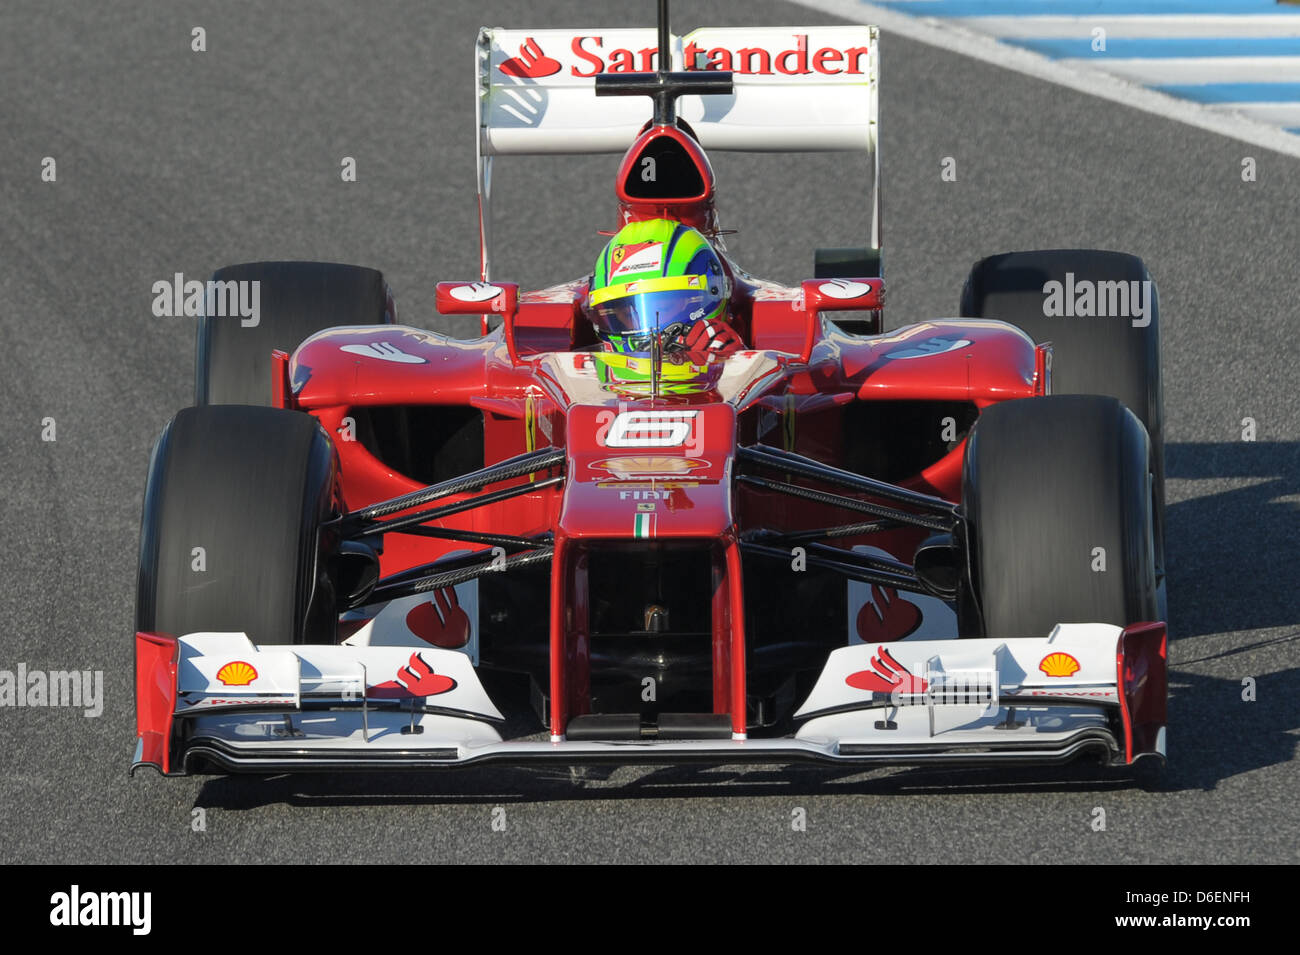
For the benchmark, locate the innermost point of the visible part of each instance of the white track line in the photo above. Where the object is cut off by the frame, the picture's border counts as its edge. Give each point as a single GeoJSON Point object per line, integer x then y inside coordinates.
{"type": "Point", "coordinates": [1198, 69]}
{"type": "Point", "coordinates": [1137, 26]}
{"type": "Point", "coordinates": [1279, 114]}
{"type": "Point", "coordinates": [962, 40]}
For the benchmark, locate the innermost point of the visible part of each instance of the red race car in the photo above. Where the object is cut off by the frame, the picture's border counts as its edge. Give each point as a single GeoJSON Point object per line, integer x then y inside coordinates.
{"type": "Point", "coordinates": [666, 511]}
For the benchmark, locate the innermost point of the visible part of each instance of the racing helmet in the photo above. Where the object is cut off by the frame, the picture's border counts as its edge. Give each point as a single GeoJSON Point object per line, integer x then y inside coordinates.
{"type": "Point", "coordinates": [656, 276]}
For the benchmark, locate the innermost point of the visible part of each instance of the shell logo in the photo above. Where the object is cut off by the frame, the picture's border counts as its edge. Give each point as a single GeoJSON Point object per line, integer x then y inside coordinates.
{"type": "Point", "coordinates": [1059, 664]}
{"type": "Point", "coordinates": [237, 673]}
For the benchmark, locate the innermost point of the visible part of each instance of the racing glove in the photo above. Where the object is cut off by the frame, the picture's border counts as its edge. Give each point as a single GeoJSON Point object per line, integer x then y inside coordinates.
{"type": "Point", "coordinates": [709, 339]}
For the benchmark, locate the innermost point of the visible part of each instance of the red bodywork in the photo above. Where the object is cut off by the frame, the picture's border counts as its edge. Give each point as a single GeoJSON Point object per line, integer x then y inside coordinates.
{"type": "Point", "coordinates": [529, 379]}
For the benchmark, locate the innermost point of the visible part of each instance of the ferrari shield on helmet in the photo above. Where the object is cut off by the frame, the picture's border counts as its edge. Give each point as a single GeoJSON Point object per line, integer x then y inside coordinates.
{"type": "Point", "coordinates": [655, 276]}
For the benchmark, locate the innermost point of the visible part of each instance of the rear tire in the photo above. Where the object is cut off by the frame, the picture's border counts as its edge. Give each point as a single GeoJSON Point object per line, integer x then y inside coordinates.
{"type": "Point", "coordinates": [251, 487]}
{"type": "Point", "coordinates": [296, 300]}
{"type": "Point", "coordinates": [846, 263]}
{"type": "Point", "coordinates": [1046, 482]}
{"type": "Point", "coordinates": [850, 263]}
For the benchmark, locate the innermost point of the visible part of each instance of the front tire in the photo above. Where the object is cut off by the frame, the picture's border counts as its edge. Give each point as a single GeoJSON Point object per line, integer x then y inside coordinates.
{"type": "Point", "coordinates": [1058, 525]}
{"type": "Point", "coordinates": [231, 536]}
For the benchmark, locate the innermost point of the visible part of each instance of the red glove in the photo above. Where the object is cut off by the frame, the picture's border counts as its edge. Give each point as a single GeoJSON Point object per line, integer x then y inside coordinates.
{"type": "Point", "coordinates": [710, 339]}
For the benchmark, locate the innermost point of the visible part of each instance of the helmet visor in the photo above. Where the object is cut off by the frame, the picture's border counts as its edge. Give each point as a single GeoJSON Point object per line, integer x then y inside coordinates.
{"type": "Point", "coordinates": [639, 309]}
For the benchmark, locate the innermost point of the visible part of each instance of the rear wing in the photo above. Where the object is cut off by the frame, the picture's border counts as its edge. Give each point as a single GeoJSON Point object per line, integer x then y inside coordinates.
{"type": "Point", "coordinates": [797, 89]}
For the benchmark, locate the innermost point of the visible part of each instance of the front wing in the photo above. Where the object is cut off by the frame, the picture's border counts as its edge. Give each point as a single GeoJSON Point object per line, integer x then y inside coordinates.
{"type": "Point", "coordinates": [217, 698]}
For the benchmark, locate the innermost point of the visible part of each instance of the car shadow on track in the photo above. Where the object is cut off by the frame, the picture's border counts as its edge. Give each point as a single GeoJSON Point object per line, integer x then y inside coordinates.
{"type": "Point", "coordinates": [1232, 553]}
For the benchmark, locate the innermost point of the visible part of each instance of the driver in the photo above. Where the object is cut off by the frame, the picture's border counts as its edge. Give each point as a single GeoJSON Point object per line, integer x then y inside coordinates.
{"type": "Point", "coordinates": [658, 276]}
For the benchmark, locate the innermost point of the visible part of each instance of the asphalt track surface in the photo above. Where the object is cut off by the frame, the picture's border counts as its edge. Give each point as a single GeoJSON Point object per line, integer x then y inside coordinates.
{"type": "Point", "coordinates": [173, 161]}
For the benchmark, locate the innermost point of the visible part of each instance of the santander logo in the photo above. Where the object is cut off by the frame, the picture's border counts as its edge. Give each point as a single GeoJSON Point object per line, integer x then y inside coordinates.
{"type": "Point", "coordinates": [531, 62]}
{"type": "Point", "coordinates": [591, 57]}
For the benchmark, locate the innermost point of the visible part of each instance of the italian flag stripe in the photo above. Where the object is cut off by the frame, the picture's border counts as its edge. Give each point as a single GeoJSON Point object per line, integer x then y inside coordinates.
{"type": "Point", "coordinates": [644, 525]}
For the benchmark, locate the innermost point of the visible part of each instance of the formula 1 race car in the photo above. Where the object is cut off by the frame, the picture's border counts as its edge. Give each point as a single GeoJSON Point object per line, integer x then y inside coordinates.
{"type": "Point", "coordinates": [666, 511]}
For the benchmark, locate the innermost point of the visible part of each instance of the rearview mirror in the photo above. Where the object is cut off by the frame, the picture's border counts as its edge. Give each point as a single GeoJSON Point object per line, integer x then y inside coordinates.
{"type": "Point", "coordinates": [843, 295]}
{"type": "Point", "coordinates": [477, 298]}
{"type": "Point", "coordinates": [482, 298]}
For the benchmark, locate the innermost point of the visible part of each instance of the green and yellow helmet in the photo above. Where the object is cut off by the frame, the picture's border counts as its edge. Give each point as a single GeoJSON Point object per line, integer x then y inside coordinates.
{"type": "Point", "coordinates": [656, 276]}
